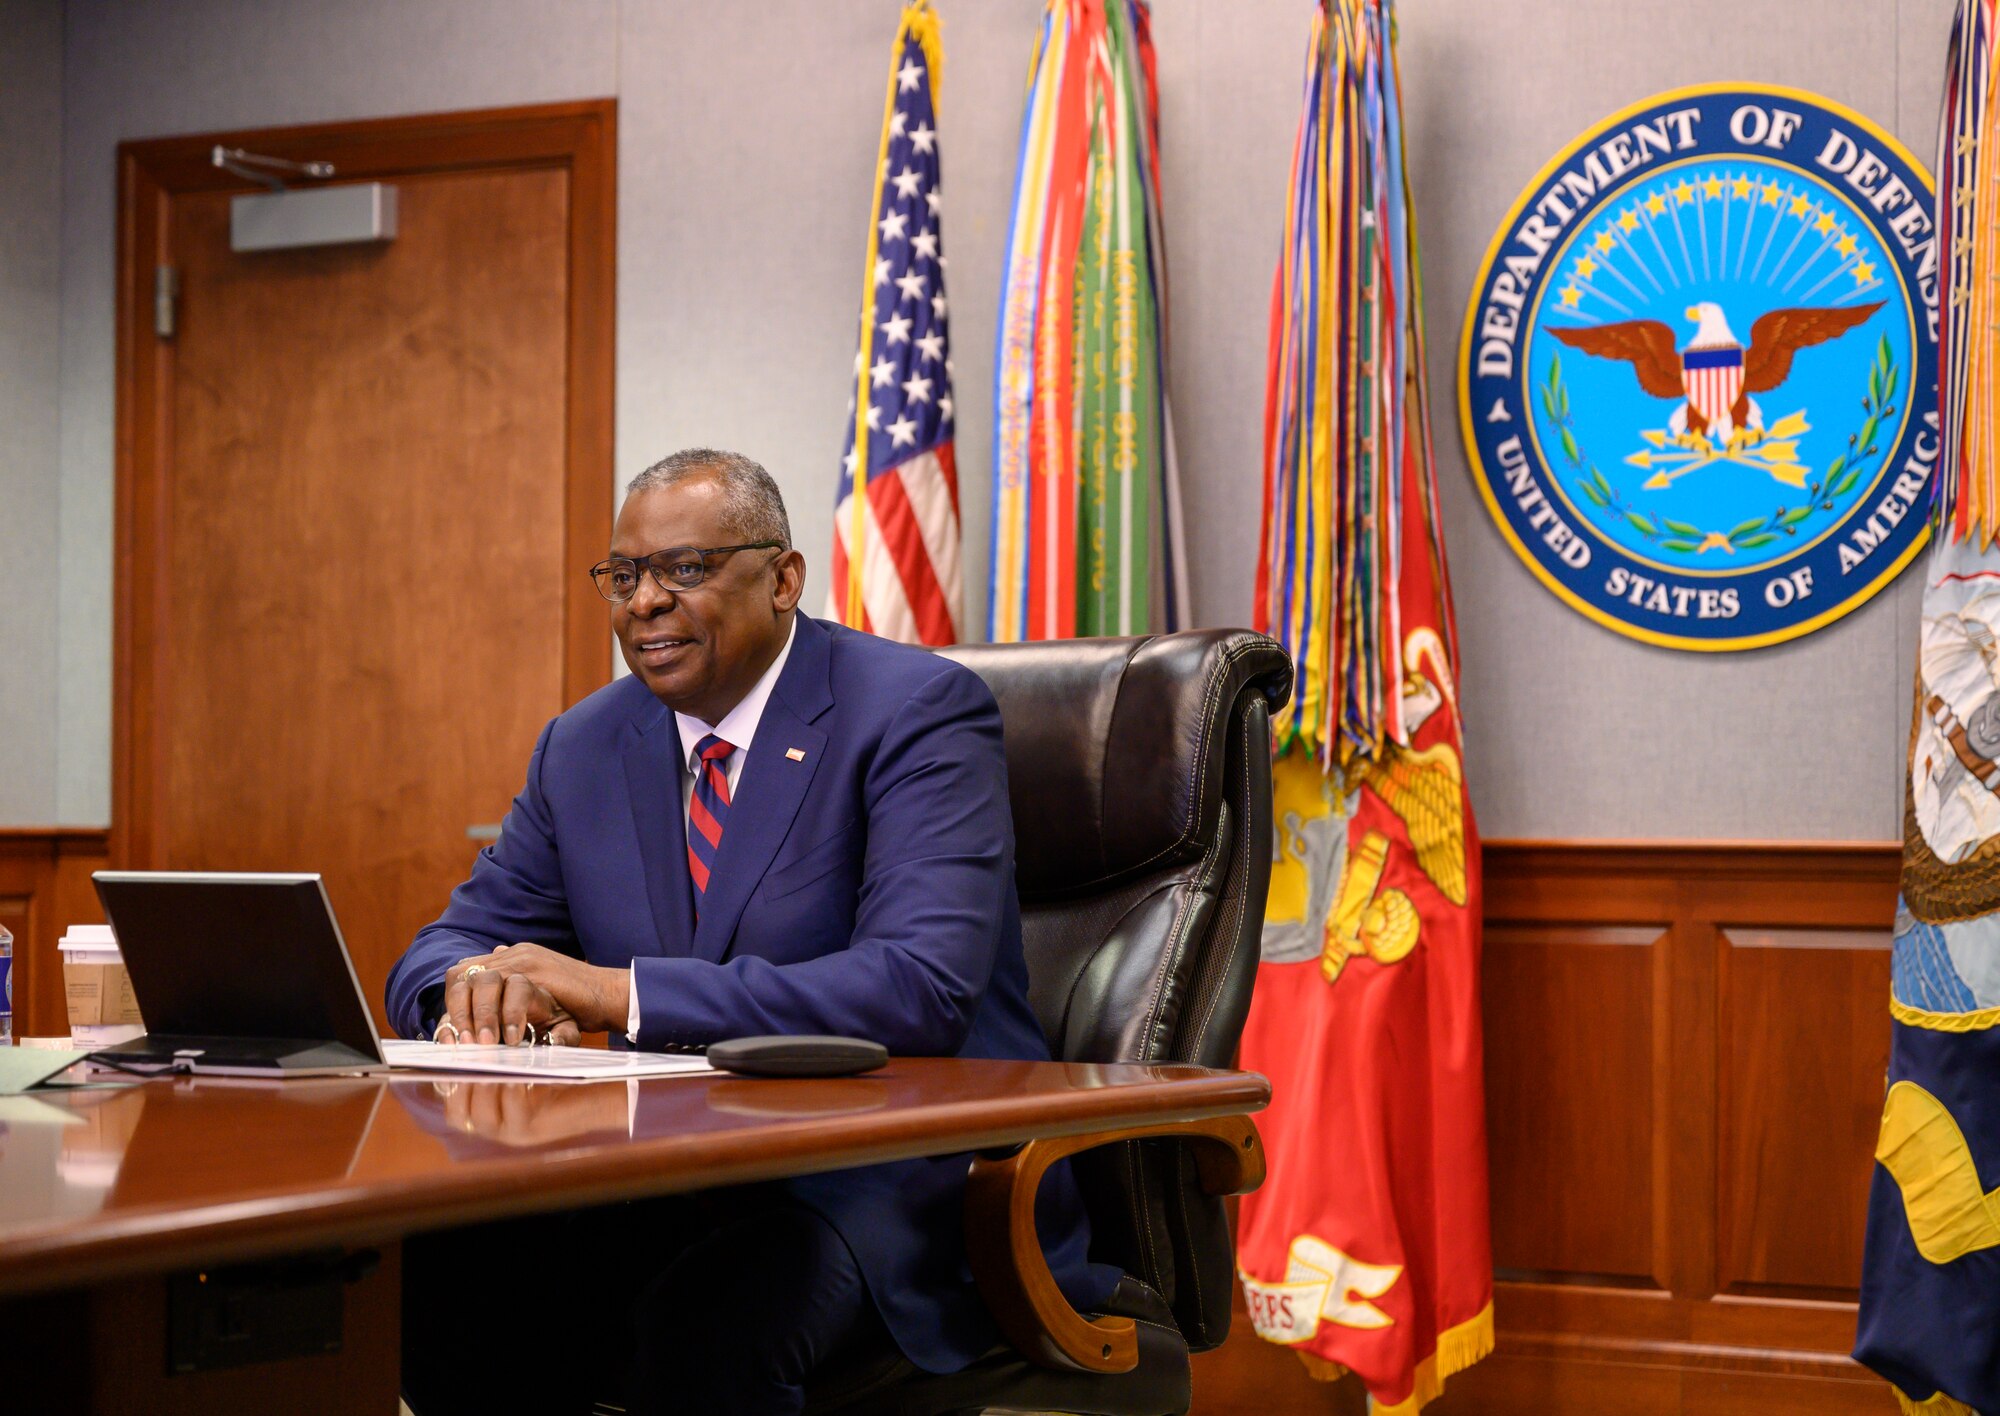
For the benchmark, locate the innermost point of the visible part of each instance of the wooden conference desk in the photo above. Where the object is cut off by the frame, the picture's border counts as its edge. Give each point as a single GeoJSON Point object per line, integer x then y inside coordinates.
{"type": "Point", "coordinates": [116, 1206]}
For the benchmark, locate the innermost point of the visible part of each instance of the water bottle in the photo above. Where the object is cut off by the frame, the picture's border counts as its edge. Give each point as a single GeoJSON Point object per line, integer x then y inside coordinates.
{"type": "Point", "coordinates": [6, 987]}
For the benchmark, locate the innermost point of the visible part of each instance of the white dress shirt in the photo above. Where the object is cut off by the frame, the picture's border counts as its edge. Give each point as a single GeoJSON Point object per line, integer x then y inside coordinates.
{"type": "Point", "coordinates": [738, 728]}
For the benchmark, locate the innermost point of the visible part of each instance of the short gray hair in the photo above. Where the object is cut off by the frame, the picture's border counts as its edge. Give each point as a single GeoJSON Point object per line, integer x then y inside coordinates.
{"type": "Point", "coordinates": [751, 500]}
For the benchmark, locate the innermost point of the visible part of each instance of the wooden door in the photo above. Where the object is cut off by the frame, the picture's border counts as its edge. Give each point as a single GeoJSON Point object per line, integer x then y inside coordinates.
{"type": "Point", "coordinates": [364, 486]}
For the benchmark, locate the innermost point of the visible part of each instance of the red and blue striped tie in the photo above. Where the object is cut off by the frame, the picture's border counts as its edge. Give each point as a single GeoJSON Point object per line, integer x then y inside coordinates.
{"type": "Point", "coordinates": [707, 811]}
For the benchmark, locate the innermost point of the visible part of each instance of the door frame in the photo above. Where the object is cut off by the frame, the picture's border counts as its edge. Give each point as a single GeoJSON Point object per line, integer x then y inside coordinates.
{"type": "Point", "coordinates": [580, 137]}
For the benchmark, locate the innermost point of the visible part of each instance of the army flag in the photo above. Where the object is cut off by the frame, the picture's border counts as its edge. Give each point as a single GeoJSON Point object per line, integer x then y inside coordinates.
{"type": "Point", "coordinates": [1086, 499]}
{"type": "Point", "coordinates": [1367, 1250]}
{"type": "Point", "coordinates": [1930, 1284]}
{"type": "Point", "coordinates": [897, 497]}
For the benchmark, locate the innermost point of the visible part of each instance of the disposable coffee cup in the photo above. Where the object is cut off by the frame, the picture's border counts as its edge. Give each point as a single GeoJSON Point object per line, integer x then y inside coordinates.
{"type": "Point", "coordinates": [102, 1009]}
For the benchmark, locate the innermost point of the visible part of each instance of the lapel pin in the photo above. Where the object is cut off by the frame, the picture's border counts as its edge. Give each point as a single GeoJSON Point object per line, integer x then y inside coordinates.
{"type": "Point", "coordinates": [797, 754]}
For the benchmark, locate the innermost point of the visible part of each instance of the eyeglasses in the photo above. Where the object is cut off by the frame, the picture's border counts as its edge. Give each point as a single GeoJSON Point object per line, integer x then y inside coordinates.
{"type": "Point", "coordinates": [677, 568]}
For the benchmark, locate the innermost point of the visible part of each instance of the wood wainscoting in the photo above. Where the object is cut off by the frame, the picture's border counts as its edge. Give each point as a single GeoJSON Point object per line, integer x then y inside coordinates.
{"type": "Point", "coordinates": [1685, 1052]}
{"type": "Point", "coordinates": [44, 888]}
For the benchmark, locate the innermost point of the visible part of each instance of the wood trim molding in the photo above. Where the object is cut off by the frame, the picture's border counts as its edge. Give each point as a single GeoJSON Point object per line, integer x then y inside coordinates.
{"type": "Point", "coordinates": [1873, 862]}
{"type": "Point", "coordinates": [44, 888]}
{"type": "Point", "coordinates": [580, 136]}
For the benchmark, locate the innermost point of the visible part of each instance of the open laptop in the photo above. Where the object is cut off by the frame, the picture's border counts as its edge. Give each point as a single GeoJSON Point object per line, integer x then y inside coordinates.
{"type": "Point", "coordinates": [242, 975]}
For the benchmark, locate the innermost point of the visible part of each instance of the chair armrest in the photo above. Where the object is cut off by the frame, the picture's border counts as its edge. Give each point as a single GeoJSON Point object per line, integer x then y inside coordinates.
{"type": "Point", "coordinates": [1006, 1254]}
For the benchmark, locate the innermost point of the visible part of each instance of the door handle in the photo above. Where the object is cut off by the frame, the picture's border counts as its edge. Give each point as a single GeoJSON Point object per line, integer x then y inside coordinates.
{"type": "Point", "coordinates": [485, 831]}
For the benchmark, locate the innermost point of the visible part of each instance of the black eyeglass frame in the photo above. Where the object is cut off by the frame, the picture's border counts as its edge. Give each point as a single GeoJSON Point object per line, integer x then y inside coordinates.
{"type": "Point", "coordinates": [656, 567]}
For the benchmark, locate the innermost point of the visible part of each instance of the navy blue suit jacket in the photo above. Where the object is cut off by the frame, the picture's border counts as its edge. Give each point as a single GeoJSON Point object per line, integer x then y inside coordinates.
{"type": "Point", "coordinates": [865, 888]}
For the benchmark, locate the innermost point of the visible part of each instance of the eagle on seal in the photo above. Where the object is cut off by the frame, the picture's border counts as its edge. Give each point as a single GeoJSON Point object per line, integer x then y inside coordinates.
{"type": "Point", "coordinates": [1714, 375]}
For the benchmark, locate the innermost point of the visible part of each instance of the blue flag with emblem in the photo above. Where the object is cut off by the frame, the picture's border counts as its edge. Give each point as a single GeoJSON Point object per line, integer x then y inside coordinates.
{"type": "Point", "coordinates": [1930, 1290]}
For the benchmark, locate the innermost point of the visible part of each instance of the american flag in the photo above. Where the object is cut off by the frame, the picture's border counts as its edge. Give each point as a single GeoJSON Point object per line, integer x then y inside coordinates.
{"type": "Point", "coordinates": [907, 583]}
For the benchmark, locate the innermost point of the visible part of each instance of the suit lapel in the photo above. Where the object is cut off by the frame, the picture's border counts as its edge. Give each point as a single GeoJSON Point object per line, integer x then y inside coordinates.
{"type": "Point", "coordinates": [653, 772]}
{"type": "Point", "coordinates": [768, 792]}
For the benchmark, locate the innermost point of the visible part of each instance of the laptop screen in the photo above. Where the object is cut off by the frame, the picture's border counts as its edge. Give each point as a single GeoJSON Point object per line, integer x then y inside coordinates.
{"type": "Point", "coordinates": [244, 956]}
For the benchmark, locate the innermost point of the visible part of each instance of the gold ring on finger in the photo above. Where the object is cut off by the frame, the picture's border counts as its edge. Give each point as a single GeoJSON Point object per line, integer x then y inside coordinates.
{"type": "Point", "coordinates": [476, 968]}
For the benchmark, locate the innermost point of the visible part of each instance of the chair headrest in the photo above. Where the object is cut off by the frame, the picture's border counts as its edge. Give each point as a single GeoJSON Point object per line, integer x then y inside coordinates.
{"type": "Point", "coordinates": [1115, 746]}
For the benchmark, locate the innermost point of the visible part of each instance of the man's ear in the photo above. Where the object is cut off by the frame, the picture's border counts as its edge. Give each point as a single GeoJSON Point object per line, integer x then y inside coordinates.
{"type": "Point", "coordinates": [789, 582]}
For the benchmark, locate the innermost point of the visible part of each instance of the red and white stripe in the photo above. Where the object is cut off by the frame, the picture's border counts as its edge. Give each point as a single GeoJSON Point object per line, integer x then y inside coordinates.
{"type": "Point", "coordinates": [1713, 391]}
{"type": "Point", "coordinates": [911, 586]}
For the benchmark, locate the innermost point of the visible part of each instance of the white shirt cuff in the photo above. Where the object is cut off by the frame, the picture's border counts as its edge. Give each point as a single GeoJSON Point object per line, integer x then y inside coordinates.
{"type": "Point", "coordinates": [632, 1008]}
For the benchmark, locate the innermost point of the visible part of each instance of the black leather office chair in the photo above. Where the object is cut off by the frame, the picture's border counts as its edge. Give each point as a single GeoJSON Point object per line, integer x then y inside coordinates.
{"type": "Point", "coordinates": [1141, 779]}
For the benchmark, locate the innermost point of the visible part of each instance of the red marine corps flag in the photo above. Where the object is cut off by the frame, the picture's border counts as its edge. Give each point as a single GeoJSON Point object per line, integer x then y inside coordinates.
{"type": "Point", "coordinates": [905, 583]}
{"type": "Point", "coordinates": [1367, 1250]}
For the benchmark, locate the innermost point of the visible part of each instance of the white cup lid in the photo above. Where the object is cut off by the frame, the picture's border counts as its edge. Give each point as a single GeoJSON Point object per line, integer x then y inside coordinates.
{"type": "Point", "coordinates": [89, 938]}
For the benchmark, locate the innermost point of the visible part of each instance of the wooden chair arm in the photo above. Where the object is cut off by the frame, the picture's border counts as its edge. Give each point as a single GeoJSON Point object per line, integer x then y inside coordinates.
{"type": "Point", "coordinates": [1006, 1255]}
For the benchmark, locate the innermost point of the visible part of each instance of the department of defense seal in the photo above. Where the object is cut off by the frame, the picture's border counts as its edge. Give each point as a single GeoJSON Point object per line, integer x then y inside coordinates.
{"type": "Point", "coordinates": [1698, 375]}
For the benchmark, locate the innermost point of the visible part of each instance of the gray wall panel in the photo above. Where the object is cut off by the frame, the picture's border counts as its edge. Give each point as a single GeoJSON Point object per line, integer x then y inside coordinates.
{"type": "Point", "coordinates": [1573, 730]}
{"type": "Point", "coordinates": [741, 230]}
{"type": "Point", "coordinates": [30, 367]}
{"type": "Point", "coordinates": [1229, 105]}
{"type": "Point", "coordinates": [1923, 31]}
{"type": "Point", "coordinates": [746, 137]}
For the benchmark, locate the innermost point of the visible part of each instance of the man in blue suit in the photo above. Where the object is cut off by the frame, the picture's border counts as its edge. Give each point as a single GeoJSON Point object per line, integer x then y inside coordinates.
{"type": "Point", "coordinates": [773, 826]}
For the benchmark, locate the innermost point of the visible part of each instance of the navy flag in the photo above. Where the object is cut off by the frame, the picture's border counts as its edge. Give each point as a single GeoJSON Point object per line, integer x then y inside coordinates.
{"type": "Point", "coordinates": [1930, 1286]}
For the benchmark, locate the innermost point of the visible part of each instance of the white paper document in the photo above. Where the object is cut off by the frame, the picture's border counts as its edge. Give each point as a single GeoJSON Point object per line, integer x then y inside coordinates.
{"type": "Point", "coordinates": [566, 1064]}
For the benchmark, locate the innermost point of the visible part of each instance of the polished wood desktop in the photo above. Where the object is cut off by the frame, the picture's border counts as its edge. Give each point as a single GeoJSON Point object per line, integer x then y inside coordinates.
{"type": "Point", "coordinates": [113, 1190]}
